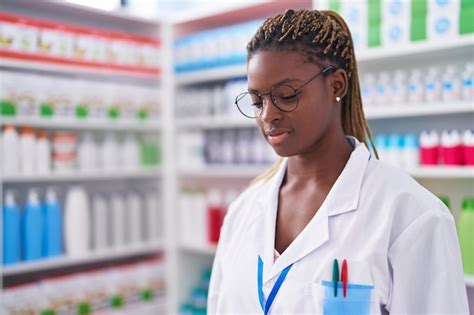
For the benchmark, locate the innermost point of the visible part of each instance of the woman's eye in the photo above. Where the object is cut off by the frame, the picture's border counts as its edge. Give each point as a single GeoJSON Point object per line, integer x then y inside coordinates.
{"type": "Point", "coordinates": [289, 97]}
{"type": "Point", "coordinates": [258, 104]}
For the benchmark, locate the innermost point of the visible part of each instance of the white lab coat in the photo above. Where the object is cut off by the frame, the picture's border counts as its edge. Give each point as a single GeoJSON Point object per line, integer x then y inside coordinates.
{"type": "Point", "coordinates": [394, 234]}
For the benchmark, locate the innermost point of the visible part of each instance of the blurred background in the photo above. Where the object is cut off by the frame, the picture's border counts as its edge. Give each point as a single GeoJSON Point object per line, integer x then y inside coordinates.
{"type": "Point", "coordinates": [121, 146]}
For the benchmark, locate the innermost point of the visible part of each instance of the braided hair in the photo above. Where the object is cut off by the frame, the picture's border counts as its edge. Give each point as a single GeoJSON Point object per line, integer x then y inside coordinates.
{"type": "Point", "coordinates": [320, 36]}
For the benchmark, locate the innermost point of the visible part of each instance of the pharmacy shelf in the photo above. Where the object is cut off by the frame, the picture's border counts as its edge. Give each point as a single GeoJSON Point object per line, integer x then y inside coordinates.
{"type": "Point", "coordinates": [420, 49]}
{"type": "Point", "coordinates": [469, 280]}
{"type": "Point", "coordinates": [75, 176]}
{"type": "Point", "coordinates": [413, 110]}
{"type": "Point", "coordinates": [215, 74]}
{"type": "Point", "coordinates": [92, 258]}
{"type": "Point", "coordinates": [204, 249]}
{"type": "Point", "coordinates": [76, 124]}
{"type": "Point", "coordinates": [366, 56]}
{"type": "Point", "coordinates": [249, 172]}
{"type": "Point", "coordinates": [371, 113]}
{"type": "Point", "coordinates": [33, 62]}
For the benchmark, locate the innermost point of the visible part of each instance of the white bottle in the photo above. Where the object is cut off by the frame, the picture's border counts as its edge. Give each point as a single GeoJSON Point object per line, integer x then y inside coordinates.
{"type": "Point", "coordinates": [415, 87]}
{"type": "Point", "coordinates": [153, 216]}
{"type": "Point", "coordinates": [399, 89]}
{"type": "Point", "coordinates": [130, 153]}
{"type": "Point", "coordinates": [110, 153]}
{"type": "Point", "coordinates": [368, 89]}
{"type": "Point", "coordinates": [134, 218]}
{"type": "Point", "coordinates": [77, 223]}
{"type": "Point", "coordinates": [87, 153]}
{"type": "Point", "coordinates": [451, 84]}
{"type": "Point", "coordinates": [411, 152]}
{"type": "Point", "coordinates": [433, 85]}
{"type": "Point", "coordinates": [100, 223]}
{"type": "Point", "coordinates": [27, 151]}
{"type": "Point", "coordinates": [383, 96]}
{"type": "Point", "coordinates": [43, 154]}
{"type": "Point", "coordinates": [468, 82]}
{"type": "Point", "coordinates": [11, 151]}
{"type": "Point", "coordinates": [117, 204]}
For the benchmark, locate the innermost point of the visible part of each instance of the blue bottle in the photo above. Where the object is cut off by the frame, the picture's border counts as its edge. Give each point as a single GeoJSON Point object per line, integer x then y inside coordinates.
{"type": "Point", "coordinates": [52, 226]}
{"type": "Point", "coordinates": [11, 230]}
{"type": "Point", "coordinates": [32, 228]}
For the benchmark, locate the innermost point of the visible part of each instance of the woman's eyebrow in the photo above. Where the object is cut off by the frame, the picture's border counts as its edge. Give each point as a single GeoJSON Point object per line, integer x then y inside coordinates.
{"type": "Point", "coordinates": [288, 80]}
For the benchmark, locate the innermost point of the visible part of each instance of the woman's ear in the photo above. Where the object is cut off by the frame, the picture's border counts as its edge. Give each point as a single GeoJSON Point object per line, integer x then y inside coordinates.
{"type": "Point", "coordinates": [339, 84]}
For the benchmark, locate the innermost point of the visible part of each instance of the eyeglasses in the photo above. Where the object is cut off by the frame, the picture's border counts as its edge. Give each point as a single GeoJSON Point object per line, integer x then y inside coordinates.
{"type": "Point", "coordinates": [283, 96]}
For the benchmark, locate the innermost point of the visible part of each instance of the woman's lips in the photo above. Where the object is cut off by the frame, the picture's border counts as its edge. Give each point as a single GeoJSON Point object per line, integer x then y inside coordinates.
{"type": "Point", "coordinates": [276, 137]}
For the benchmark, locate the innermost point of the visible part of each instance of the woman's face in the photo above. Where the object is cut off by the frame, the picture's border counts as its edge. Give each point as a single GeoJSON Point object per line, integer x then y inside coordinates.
{"type": "Point", "coordinates": [299, 131]}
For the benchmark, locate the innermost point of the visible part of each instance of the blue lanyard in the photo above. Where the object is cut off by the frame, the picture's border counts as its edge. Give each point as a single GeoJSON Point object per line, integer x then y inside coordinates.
{"type": "Point", "coordinates": [266, 305]}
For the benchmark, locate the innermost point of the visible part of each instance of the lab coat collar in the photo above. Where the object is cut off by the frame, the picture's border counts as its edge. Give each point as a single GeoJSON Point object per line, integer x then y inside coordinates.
{"type": "Point", "coordinates": [343, 197]}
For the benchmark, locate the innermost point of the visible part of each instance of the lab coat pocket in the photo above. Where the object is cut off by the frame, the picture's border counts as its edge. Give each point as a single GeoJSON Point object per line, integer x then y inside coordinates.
{"type": "Point", "coordinates": [358, 299]}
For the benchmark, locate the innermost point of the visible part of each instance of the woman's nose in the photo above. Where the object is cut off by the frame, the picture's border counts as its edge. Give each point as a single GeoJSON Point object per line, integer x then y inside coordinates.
{"type": "Point", "coordinates": [269, 111]}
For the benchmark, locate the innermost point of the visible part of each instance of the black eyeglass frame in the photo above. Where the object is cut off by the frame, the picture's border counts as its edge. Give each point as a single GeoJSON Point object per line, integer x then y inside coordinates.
{"type": "Point", "coordinates": [325, 72]}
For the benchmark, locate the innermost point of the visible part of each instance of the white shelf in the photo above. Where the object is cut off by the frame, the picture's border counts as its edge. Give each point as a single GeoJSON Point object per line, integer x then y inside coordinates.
{"type": "Point", "coordinates": [249, 172]}
{"type": "Point", "coordinates": [149, 172]}
{"type": "Point", "coordinates": [411, 110]}
{"type": "Point", "coordinates": [75, 124]}
{"type": "Point", "coordinates": [204, 249]}
{"type": "Point", "coordinates": [72, 69]}
{"type": "Point", "coordinates": [416, 49]}
{"type": "Point", "coordinates": [469, 280]}
{"type": "Point", "coordinates": [221, 73]}
{"type": "Point", "coordinates": [413, 49]}
{"type": "Point", "coordinates": [61, 262]}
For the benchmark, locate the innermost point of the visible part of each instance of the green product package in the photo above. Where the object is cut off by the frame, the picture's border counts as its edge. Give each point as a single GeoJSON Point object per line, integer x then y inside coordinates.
{"type": "Point", "coordinates": [48, 312]}
{"type": "Point", "coordinates": [466, 20]}
{"type": "Point", "coordinates": [83, 309]}
{"type": "Point", "coordinates": [113, 112]}
{"type": "Point", "coordinates": [335, 5]}
{"type": "Point", "coordinates": [147, 295]}
{"type": "Point", "coordinates": [116, 301]}
{"type": "Point", "coordinates": [81, 111]}
{"type": "Point", "coordinates": [7, 108]}
{"type": "Point", "coordinates": [46, 110]}
{"type": "Point", "coordinates": [418, 19]}
{"type": "Point", "coordinates": [466, 235]}
{"type": "Point", "coordinates": [375, 23]}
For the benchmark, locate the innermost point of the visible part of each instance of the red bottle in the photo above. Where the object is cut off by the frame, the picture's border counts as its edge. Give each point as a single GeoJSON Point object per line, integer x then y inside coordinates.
{"type": "Point", "coordinates": [215, 215]}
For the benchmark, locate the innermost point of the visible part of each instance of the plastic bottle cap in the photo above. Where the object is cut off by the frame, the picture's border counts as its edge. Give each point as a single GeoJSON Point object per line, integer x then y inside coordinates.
{"type": "Point", "coordinates": [9, 198]}
{"type": "Point", "coordinates": [41, 134]}
{"type": "Point", "coordinates": [33, 197]}
{"type": "Point", "coordinates": [9, 127]}
{"type": "Point", "coordinates": [27, 131]}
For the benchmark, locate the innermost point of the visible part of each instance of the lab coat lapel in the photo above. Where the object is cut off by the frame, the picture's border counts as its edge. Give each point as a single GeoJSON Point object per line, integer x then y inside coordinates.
{"type": "Point", "coordinates": [343, 197]}
{"type": "Point", "coordinates": [268, 203]}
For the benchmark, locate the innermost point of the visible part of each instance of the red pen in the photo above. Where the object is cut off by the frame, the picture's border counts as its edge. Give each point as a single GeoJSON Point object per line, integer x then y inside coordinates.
{"type": "Point", "coordinates": [344, 279]}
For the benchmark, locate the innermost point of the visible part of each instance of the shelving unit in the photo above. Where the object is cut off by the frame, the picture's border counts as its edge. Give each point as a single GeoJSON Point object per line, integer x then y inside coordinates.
{"type": "Point", "coordinates": [203, 250]}
{"type": "Point", "coordinates": [94, 257]}
{"type": "Point", "coordinates": [153, 178]}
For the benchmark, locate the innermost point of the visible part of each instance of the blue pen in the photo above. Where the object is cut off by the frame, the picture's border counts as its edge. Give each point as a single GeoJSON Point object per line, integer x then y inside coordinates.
{"type": "Point", "coordinates": [335, 275]}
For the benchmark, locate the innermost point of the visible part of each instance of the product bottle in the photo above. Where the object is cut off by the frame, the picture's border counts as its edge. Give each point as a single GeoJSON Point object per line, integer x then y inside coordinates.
{"type": "Point", "coordinates": [134, 222]}
{"type": "Point", "coordinates": [451, 84]}
{"type": "Point", "coordinates": [100, 223]}
{"type": "Point", "coordinates": [87, 153]}
{"type": "Point", "coordinates": [383, 96]}
{"type": "Point", "coordinates": [11, 151]}
{"type": "Point", "coordinates": [368, 89]}
{"type": "Point", "coordinates": [110, 153]}
{"type": "Point", "coordinates": [432, 85]}
{"type": "Point", "coordinates": [27, 151]}
{"type": "Point", "coordinates": [215, 215]}
{"type": "Point", "coordinates": [451, 148]}
{"type": "Point", "coordinates": [399, 89]}
{"type": "Point", "coordinates": [52, 226]}
{"type": "Point", "coordinates": [130, 153]}
{"type": "Point", "coordinates": [153, 216]}
{"type": "Point", "coordinates": [466, 237]}
{"type": "Point", "coordinates": [76, 223]}
{"type": "Point", "coordinates": [429, 147]}
{"type": "Point", "coordinates": [32, 228]}
{"type": "Point", "coordinates": [394, 150]}
{"type": "Point", "coordinates": [468, 82]}
{"type": "Point", "coordinates": [11, 230]}
{"type": "Point", "coordinates": [381, 144]}
{"type": "Point", "coordinates": [410, 154]}
{"type": "Point", "coordinates": [468, 147]}
{"type": "Point", "coordinates": [118, 221]}
{"type": "Point", "coordinates": [43, 154]}
{"type": "Point", "coordinates": [415, 87]}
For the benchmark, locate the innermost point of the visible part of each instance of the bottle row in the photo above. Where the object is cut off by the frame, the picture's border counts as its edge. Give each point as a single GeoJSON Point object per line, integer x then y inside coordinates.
{"type": "Point", "coordinates": [202, 213]}
{"type": "Point", "coordinates": [121, 290]}
{"type": "Point", "coordinates": [35, 152]}
{"type": "Point", "coordinates": [223, 147]}
{"type": "Point", "coordinates": [218, 47]}
{"type": "Point", "coordinates": [83, 224]}
{"type": "Point", "coordinates": [410, 151]}
{"type": "Point", "coordinates": [396, 23]}
{"type": "Point", "coordinates": [35, 95]}
{"type": "Point", "coordinates": [435, 84]}
{"type": "Point", "coordinates": [22, 34]}
{"type": "Point", "coordinates": [196, 302]}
